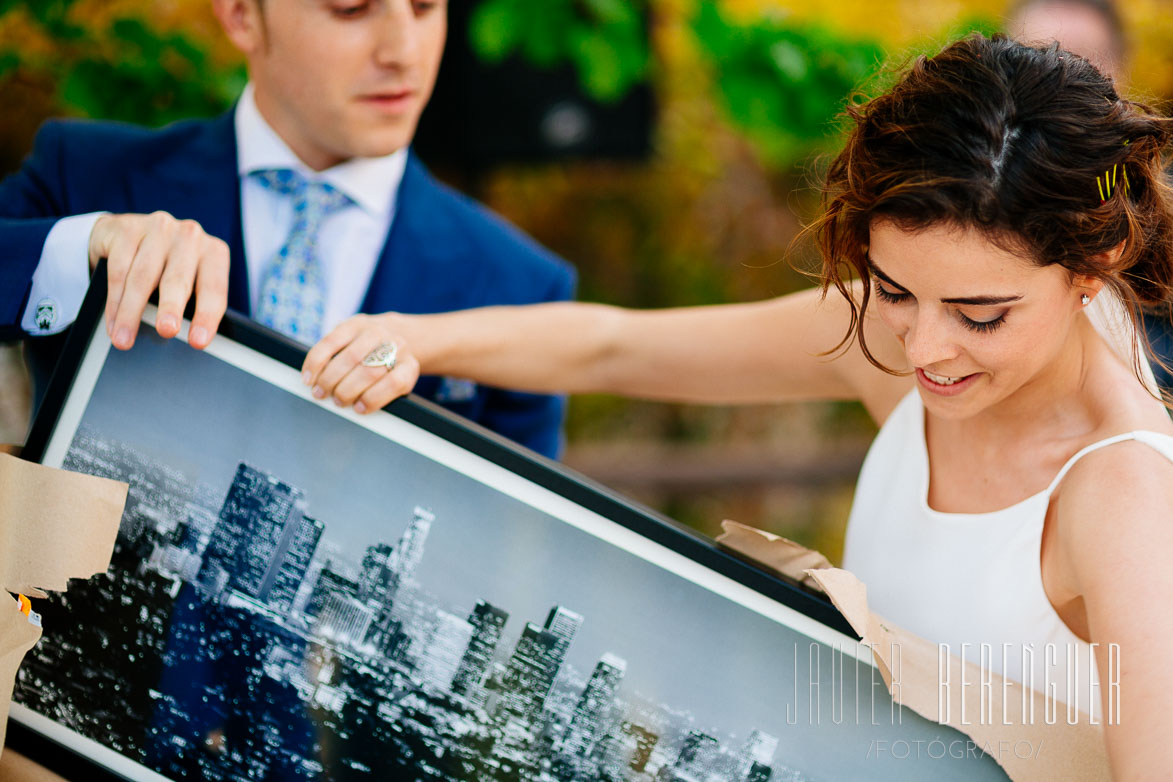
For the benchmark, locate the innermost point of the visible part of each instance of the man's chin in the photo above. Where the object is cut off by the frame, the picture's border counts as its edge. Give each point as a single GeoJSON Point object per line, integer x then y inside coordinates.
{"type": "Point", "coordinates": [379, 142]}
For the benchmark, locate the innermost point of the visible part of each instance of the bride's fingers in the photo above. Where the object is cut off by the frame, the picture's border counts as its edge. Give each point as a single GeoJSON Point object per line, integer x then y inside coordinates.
{"type": "Point", "coordinates": [347, 360]}
{"type": "Point", "coordinates": [328, 346]}
{"type": "Point", "coordinates": [358, 380]}
{"type": "Point", "coordinates": [393, 385]}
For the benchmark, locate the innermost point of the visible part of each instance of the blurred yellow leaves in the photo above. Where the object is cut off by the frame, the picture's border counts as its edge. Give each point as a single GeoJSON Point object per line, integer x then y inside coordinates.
{"type": "Point", "coordinates": [1150, 28]}
{"type": "Point", "coordinates": [20, 32]}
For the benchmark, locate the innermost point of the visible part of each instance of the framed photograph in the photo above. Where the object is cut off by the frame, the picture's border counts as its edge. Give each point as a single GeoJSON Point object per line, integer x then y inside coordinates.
{"type": "Point", "coordinates": [302, 593]}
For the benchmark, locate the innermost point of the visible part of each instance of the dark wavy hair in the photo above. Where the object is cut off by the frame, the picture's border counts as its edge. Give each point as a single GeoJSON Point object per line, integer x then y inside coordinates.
{"type": "Point", "coordinates": [1007, 139]}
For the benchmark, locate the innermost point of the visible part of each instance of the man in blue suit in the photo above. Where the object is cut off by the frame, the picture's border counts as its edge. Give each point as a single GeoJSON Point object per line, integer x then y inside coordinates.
{"type": "Point", "coordinates": [301, 207]}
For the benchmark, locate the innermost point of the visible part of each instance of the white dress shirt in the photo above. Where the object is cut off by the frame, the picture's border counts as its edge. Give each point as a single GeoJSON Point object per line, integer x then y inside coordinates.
{"type": "Point", "coordinates": [350, 240]}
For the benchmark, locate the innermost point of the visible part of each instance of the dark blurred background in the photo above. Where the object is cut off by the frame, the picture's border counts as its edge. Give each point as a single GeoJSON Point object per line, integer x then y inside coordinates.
{"type": "Point", "coordinates": [669, 148]}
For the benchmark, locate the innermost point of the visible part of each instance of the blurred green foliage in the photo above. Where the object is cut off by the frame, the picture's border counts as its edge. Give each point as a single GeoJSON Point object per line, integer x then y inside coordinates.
{"type": "Point", "coordinates": [605, 40]}
{"type": "Point", "coordinates": [126, 70]}
{"type": "Point", "coordinates": [781, 82]}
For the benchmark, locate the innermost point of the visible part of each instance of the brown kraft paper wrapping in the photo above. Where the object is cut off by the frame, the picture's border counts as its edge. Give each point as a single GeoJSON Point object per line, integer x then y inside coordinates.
{"type": "Point", "coordinates": [15, 767]}
{"type": "Point", "coordinates": [54, 526]}
{"type": "Point", "coordinates": [1074, 753]}
{"type": "Point", "coordinates": [17, 636]}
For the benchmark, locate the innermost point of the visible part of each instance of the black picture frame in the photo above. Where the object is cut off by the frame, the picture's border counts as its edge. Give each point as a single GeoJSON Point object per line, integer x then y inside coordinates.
{"type": "Point", "coordinates": [87, 339]}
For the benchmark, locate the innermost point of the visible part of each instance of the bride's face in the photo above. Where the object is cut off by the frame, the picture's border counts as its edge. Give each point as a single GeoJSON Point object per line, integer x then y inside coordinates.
{"type": "Point", "coordinates": [978, 323]}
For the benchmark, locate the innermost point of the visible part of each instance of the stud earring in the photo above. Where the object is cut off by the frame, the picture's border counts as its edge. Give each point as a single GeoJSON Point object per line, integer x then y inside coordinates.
{"type": "Point", "coordinates": [1084, 299]}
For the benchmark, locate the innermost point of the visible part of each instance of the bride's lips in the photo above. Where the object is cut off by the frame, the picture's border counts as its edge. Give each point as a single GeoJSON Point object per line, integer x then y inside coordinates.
{"type": "Point", "coordinates": [941, 389]}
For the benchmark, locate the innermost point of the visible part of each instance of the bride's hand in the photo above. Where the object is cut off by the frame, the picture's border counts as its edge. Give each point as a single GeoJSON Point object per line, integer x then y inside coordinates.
{"type": "Point", "coordinates": [334, 367]}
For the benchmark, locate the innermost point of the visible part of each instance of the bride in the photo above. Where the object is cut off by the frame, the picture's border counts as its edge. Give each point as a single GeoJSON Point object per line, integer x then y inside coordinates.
{"type": "Point", "coordinates": [990, 230]}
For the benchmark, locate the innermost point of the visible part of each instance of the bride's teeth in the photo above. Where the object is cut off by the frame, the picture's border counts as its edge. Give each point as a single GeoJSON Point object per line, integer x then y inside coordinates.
{"type": "Point", "coordinates": [940, 380]}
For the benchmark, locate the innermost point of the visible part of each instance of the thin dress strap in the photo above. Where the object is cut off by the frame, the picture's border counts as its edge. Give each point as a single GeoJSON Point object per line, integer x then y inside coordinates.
{"type": "Point", "coordinates": [1083, 451]}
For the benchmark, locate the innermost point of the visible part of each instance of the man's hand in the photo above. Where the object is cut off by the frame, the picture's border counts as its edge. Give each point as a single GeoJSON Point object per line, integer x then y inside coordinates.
{"type": "Point", "coordinates": [145, 252]}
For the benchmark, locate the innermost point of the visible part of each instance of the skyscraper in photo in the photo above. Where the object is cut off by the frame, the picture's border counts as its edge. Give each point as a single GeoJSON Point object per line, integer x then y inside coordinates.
{"type": "Point", "coordinates": [388, 637]}
{"type": "Point", "coordinates": [535, 664]}
{"type": "Point", "coordinates": [487, 622]}
{"type": "Point", "coordinates": [407, 553]}
{"type": "Point", "coordinates": [386, 570]}
{"type": "Point", "coordinates": [186, 536]}
{"type": "Point", "coordinates": [624, 750]}
{"type": "Point", "coordinates": [759, 749]}
{"type": "Point", "coordinates": [445, 648]}
{"type": "Point", "coordinates": [563, 623]}
{"type": "Point", "coordinates": [528, 676]}
{"type": "Point", "coordinates": [287, 578]}
{"type": "Point", "coordinates": [645, 743]}
{"type": "Point", "coordinates": [758, 772]}
{"type": "Point", "coordinates": [374, 580]}
{"type": "Point", "coordinates": [330, 582]}
{"type": "Point", "coordinates": [258, 520]}
{"type": "Point", "coordinates": [344, 620]}
{"type": "Point", "coordinates": [697, 757]}
{"type": "Point", "coordinates": [594, 706]}
{"type": "Point", "coordinates": [197, 528]}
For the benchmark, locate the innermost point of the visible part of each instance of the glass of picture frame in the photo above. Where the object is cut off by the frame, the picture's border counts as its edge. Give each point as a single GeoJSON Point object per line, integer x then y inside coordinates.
{"type": "Point", "coordinates": [302, 593]}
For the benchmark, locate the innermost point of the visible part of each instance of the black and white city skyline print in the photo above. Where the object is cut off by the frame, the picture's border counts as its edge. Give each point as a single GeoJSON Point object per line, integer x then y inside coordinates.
{"type": "Point", "coordinates": [297, 597]}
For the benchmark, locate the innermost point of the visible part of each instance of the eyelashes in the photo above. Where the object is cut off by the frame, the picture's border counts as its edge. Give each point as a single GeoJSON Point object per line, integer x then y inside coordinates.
{"type": "Point", "coordinates": [352, 11]}
{"type": "Point", "coordinates": [983, 326]}
{"type": "Point", "coordinates": [888, 295]}
{"type": "Point", "coordinates": [980, 326]}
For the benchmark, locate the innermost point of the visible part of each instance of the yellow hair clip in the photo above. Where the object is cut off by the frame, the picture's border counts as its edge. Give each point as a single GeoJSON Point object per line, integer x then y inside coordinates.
{"type": "Point", "coordinates": [1109, 184]}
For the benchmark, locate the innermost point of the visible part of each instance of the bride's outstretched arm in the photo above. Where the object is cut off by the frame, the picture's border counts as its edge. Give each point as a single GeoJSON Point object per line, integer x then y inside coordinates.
{"type": "Point", "coordinates": [766, 351]}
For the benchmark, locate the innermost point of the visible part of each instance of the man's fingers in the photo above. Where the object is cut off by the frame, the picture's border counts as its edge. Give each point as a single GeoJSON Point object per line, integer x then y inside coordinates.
{"type": "Point", "coordinates": [326, 348]}
{"type": "Point", "coordinates": [118, 248]}
{"type": "Point", "coordinates": [145, 252]}
{"type": "Point", "coordinates": [178, 278]}
{"type": "Point", "coordinates": [211, 285]}
{"type": "Point", "coordinates": [396, 383]}
{"type": "Point", "coordinates": [106, 229]}
{"type": "Point", "coordinates": [141, 280]}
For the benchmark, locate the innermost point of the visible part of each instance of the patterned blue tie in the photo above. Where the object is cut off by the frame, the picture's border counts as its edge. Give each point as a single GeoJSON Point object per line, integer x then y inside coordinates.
{"type": "Point", "coordinates": [293, 287]}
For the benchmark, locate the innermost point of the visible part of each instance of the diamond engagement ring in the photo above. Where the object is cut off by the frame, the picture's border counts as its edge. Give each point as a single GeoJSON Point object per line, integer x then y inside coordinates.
{"type": "Point", "coordinates": [382, 356]}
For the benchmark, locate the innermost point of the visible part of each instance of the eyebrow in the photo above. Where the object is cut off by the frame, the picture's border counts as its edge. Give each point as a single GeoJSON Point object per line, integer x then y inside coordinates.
{"type": "Point", "coordinates": [974, 300]}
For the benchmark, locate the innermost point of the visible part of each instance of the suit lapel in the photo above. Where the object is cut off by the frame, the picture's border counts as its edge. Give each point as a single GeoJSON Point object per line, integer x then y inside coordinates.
{"type": "Point", "coordinates": [425, 265]}
{"type": "Point", "coordinates": [199, 181]}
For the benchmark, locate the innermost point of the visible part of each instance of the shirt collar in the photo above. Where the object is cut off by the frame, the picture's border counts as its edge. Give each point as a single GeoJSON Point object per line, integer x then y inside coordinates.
{"type": "Point", "coordinates": [371, 182]}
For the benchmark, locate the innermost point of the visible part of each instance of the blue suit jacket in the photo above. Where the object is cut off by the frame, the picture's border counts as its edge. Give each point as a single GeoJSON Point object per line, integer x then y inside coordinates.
{"type": "Point", "coordinates": [444, 251]}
